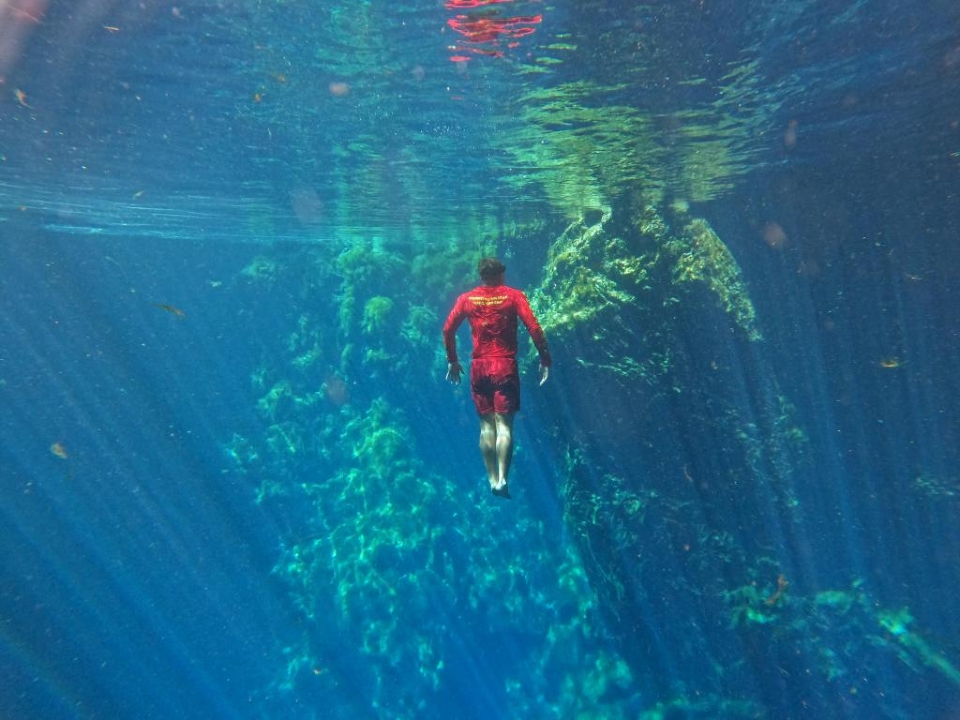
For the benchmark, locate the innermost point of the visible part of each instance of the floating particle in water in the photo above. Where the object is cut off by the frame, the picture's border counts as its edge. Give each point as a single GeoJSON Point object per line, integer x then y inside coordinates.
{"type": "Point", "coordinates": [171, 309]}
{"type": "Point", "coordinates": [790, 135]}
{"type": "Point", "coordinates": [336, 389]}
{"type": "Point", "coordinates": [307, 205]}
{"type": "Point", "coordinates": [773, 235]}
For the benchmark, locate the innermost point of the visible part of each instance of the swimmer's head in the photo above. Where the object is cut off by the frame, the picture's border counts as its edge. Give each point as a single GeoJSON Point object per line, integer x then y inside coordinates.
{"type": "Point", "coordinates": [491, 270]}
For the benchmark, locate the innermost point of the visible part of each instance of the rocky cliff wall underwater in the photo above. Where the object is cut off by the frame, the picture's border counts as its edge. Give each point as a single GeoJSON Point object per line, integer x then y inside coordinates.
{"type": "Point", "coordinates": [677, 456]}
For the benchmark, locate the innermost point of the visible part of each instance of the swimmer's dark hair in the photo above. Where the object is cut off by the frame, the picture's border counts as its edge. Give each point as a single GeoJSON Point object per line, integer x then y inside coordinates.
{"type": "Point", "coordinates": [490, 267]}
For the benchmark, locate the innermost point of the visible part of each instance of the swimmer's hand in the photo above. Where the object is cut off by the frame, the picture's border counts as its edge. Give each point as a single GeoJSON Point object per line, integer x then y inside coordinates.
{"type": "Point", "coordinates": [544, 374]}
{"type": "Point", "coordinates": [454, 371]}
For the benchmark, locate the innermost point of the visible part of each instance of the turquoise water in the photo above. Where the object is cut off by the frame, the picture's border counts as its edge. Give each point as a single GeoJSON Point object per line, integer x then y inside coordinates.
{"type": "Point", "coordinates": [235, 483]}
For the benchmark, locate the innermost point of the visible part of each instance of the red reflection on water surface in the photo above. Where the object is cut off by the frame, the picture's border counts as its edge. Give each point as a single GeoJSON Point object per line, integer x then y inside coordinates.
{"type": "Point", "coordinates": [467, 4]}
{"type": "Point", "coordinates": [486, 32]}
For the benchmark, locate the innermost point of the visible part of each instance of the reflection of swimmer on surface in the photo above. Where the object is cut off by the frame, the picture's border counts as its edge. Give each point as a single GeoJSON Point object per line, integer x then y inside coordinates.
{"type": "Point", "coordinates": [483, 28]}
{"type": "Point", "coordinates": [492, 310]}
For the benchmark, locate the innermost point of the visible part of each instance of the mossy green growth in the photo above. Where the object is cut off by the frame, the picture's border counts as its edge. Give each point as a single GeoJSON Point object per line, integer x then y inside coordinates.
{"type": "Point", "coordinates": [420, 327]}
{"type": "Point", "coordinates": [376, 314]}
{"type": "Point", "coordinates": [241, 452]}
{"type": "Point", "coordinates": [441, 272]}
{"type": "Point", "coordinates": [277, 397]}
{"type": "Point", "coordinates": [361, 263]}
{"type": "Point", "coordinates": [587, 273]}
{"type": "Point", "coordinates": [382, 452]}
{"type": "Point", "coordinates": [839, 600]}
{"type": "Point", "coordinates": [592, 270]}
{"type": "Point", "coordinates": [701, 256]}
{"type": "Point", "coordinates": [261, 269]}
{"type": "Point", "coordinates": [914, 646]}
{"type": "Point", "coordinates": [285, 437]}
{"type": "Point", "coordinates": [608, 672]}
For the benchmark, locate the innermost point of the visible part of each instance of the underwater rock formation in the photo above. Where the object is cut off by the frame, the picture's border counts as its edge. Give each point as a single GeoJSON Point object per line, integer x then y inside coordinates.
{"type": "Point", "coordinates": [390, 562]}
{"type": "Point", "coordinates": [680, 461]}
{"type": "Point", "coordinates": [662, 595]}
{"type": "Point", "coordinates": [678, 445]}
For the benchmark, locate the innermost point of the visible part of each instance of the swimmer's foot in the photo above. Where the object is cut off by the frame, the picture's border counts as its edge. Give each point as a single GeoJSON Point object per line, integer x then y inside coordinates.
{"type": "Point", "coordinates": [501, 490]}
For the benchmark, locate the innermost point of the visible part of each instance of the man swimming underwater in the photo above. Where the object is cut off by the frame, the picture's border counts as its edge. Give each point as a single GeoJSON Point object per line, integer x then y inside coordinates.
{"type": "Point", "coordinates": [492, 309]}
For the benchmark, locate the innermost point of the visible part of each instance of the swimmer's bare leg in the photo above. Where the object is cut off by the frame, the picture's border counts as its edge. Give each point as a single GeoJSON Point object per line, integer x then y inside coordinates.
{"type": "Point", "coordinates": [504, 423]}
{"type": "Point", "coordinates": [488, 447]}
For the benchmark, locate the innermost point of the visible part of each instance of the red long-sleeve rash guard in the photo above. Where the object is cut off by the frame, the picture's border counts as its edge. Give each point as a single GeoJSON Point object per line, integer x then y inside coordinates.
{"type": "Point", "coordinates": [493, 313]}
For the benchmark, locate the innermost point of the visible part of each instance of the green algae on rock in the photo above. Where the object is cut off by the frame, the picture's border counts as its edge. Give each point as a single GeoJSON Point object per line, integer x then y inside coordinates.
{"type": "Point", "coordinates": [701, 256]}
{"type": "Point", "coordinates": [599, 266]}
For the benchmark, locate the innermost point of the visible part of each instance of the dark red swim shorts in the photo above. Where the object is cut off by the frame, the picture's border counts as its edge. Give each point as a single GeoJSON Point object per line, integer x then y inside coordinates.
{"type": "Point", "coordinates": [495, 385]}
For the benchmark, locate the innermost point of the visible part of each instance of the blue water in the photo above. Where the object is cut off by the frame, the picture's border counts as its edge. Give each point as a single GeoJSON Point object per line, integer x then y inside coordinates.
{"type": "Point", "coordinates": [233, 486]}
